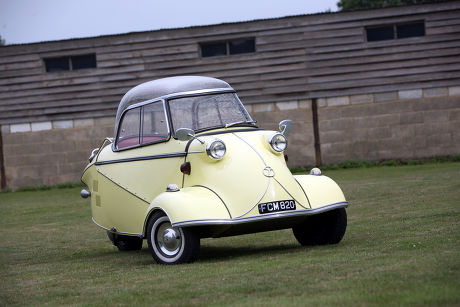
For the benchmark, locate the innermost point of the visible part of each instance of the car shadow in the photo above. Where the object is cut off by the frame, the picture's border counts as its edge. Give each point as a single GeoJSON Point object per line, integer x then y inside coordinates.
{"type": "Point", "coordinates": [210, 254]}
{"type": "Point", "coordinates": [217, 253]}
{"type": "Point", "coordinates": [207, 254]}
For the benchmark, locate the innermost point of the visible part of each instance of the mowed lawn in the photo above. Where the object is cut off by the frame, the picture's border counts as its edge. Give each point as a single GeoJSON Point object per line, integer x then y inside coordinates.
{"type": "Point", "coordinates": [402, 247]}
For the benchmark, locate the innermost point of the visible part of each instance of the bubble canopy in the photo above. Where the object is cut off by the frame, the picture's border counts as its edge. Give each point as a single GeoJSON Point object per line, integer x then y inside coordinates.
{"type": "Point", "coordinates": [168, 86]}
{"type": "Point", "coordinates": [184, 92]}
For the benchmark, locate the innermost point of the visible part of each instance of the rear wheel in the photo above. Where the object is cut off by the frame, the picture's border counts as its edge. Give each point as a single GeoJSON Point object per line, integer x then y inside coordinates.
{"type": "Point", "coordinates": [325, 228]}
{"type": "Point", "coordinates": [168, 244]}
{"type": "Point", "coordinates": [125, 243]}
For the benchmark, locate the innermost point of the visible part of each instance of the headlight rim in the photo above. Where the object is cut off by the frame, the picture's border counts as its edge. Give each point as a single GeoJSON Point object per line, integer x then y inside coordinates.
{"type": "Point", "coordinates": [211, 145]}
{"type": "Point", "coordinates": [271, 142]}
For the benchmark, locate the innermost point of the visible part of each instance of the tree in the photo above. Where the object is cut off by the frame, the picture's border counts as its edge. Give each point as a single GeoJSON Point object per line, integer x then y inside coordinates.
{"type": "Point", "coordinates": [350, 5]}
{"type": "Point", "coordinates": [2, 41]}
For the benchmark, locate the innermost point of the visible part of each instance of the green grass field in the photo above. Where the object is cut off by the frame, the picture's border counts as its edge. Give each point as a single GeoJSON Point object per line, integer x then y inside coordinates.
{"type": "Point", "coordinates": [402, 247]}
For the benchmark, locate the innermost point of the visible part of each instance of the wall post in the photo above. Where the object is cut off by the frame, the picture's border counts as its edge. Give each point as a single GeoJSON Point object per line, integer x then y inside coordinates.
{"type": "Point", "coordinates": [314, 112]}
{"type": "Point", "coordinates": [2, 163]}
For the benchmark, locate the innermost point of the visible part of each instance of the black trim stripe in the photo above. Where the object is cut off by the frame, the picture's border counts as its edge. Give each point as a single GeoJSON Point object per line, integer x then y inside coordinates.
{"type": "Point", "coordinates": [163, 156]}
{"type": "Point", "coordinates": [171, 155]}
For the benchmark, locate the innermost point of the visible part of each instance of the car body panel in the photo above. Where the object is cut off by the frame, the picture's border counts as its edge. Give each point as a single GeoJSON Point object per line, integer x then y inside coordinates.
{"type": "Point", "coordinates": [128, 184]}
{"type": "Point", "coordinates": [118, 210]}
{"type": "Point", "coordinates": [321, 190]}
{"type": "Point", "coordinates": [191, 203]}
{"type": "Point", "coordinates": [239, 177]}
{"type": "Point", "coordinates": [145, 172]}
{"type": "Point", "coordinates": [207, 196]}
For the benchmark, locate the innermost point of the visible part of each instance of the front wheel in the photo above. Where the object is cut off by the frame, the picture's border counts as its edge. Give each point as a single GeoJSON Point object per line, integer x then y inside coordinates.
{"type": "Point", "coordinates": [168, 244]}
{"type": "Point", "coordinates": [325, 228]}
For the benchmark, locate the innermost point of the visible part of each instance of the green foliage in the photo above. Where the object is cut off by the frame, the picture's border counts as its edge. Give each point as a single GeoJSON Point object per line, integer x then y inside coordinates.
{"type": "Point", "coordinates": [6, 190]}
{"type": "Point", "coordinates": [2, 41]}
{"type": "Point", "coordinates": [44, 187]}
{"type": "Point", "coordinates": [392, 163]}
{"type": "Point", "coordinates": [366, 164]}
{"type": "Point", "coordinates": [41, 187]}
{"type": "Point", "coordinates": [351, 5]}
{"type": "Point", "coordinates": [298, 169]}
{"type": "Point", "coordinates": [68, 185]}
{"type": "Point", "coordinates": [401, 249]}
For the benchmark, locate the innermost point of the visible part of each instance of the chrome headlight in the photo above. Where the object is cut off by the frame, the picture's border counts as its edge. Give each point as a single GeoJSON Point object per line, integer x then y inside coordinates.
{"type": "Point", "coordinates": [278, 142]}
{"type": "Point", "coordinates": [216, 149]}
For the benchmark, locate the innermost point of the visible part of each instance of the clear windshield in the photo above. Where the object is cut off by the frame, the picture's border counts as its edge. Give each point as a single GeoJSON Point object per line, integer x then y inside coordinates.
{"type": "Point", "coordinates": [208, 111]}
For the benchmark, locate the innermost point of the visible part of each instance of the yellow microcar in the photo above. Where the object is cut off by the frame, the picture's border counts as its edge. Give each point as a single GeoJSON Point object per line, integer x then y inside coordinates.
{"type": "Point", "coordinates": [188, 162]}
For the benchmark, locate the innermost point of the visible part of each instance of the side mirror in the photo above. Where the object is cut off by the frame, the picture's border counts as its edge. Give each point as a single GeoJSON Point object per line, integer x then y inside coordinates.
{"type": "Point", "coordinates": [185, 134]}
{"type": "Point", "coordinates": [286, 126]}
{"type": "Point", "coordinates": [93, 154]}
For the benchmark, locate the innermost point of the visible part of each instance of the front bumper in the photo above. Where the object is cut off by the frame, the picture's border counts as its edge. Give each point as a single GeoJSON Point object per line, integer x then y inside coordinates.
{"type": "Point", "coordinates": [259, 218]}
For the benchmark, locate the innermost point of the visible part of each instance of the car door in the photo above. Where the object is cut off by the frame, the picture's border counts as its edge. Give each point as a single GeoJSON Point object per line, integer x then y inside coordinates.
{"type": "Point", "coordinates": [143, 160]}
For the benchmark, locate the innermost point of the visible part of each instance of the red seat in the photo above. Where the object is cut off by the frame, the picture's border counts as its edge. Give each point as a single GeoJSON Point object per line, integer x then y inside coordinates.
{"type": "Point", "coordinates": [128, 142]}
{"type": "Point", "coordinates": [133, 141]}
{"type": "Point", "coordinates": [149, 139]}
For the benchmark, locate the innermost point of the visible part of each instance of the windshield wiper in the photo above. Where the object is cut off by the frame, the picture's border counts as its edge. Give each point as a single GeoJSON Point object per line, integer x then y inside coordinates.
{"type": "Point", "coordinates": [239, 123]}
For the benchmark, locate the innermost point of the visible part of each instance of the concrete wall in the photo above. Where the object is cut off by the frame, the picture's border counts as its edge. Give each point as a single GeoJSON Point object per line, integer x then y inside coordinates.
{"type": "Point", "coordinates": [300, 141]}
{"type": "Point", "coordinates": [53, 152]}
{"type": "Point", "coordinates": [50, 152]}
{"type": "Point", "coordinates": [393, 125]}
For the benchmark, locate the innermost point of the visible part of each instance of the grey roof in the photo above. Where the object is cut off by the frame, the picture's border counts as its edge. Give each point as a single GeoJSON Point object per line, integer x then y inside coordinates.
{"type": "Point", "coordinates": [165, 87]}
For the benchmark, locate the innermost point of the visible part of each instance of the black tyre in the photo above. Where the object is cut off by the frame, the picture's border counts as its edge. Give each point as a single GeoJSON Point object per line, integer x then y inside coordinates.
{"type": "Point", "coordinates": [171, 245]}
{"type": "Point", "coordinates": [325, 228]}
{"type": "Point", "coordinates": [125, 243]}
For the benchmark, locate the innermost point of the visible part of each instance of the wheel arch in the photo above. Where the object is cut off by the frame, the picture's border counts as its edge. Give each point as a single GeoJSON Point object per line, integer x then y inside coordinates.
{"type": "Point", "coordinates": [188, 204]}
{"type": "Point", "coordinates": [151, 212]}
{"type": "Point", "coordinates": [320, 190]}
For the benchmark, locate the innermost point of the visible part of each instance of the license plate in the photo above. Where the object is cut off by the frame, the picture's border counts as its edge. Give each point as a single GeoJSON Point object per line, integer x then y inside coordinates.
{"type": "Point", "coordinates": [276, 206]}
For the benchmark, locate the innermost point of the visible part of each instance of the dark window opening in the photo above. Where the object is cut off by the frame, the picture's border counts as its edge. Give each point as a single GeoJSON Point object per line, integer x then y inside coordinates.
{"type": "Point", "coordinates": [242, 46]}
{"type": "Point", "coordinates": [410, 30]}
{"type": "Point", "coordinates": [395, 31]}
{"type": "Point", "coordinates": [380, 33]}
{"type": "Point", "coordinates": [213, 49]}
{"type": "Point", "coordinates": [67, 63]}
{"type": "Point", "coordinates": [83, 61]}
{"type": "Point", "coordinates": [57, 64]}
{"type": "Point", "coordinates": [230, 47]}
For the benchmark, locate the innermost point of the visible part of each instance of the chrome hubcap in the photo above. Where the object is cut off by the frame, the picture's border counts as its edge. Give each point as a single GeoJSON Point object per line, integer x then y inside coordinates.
{"type": "Point", "coordinates": [169, 239]}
